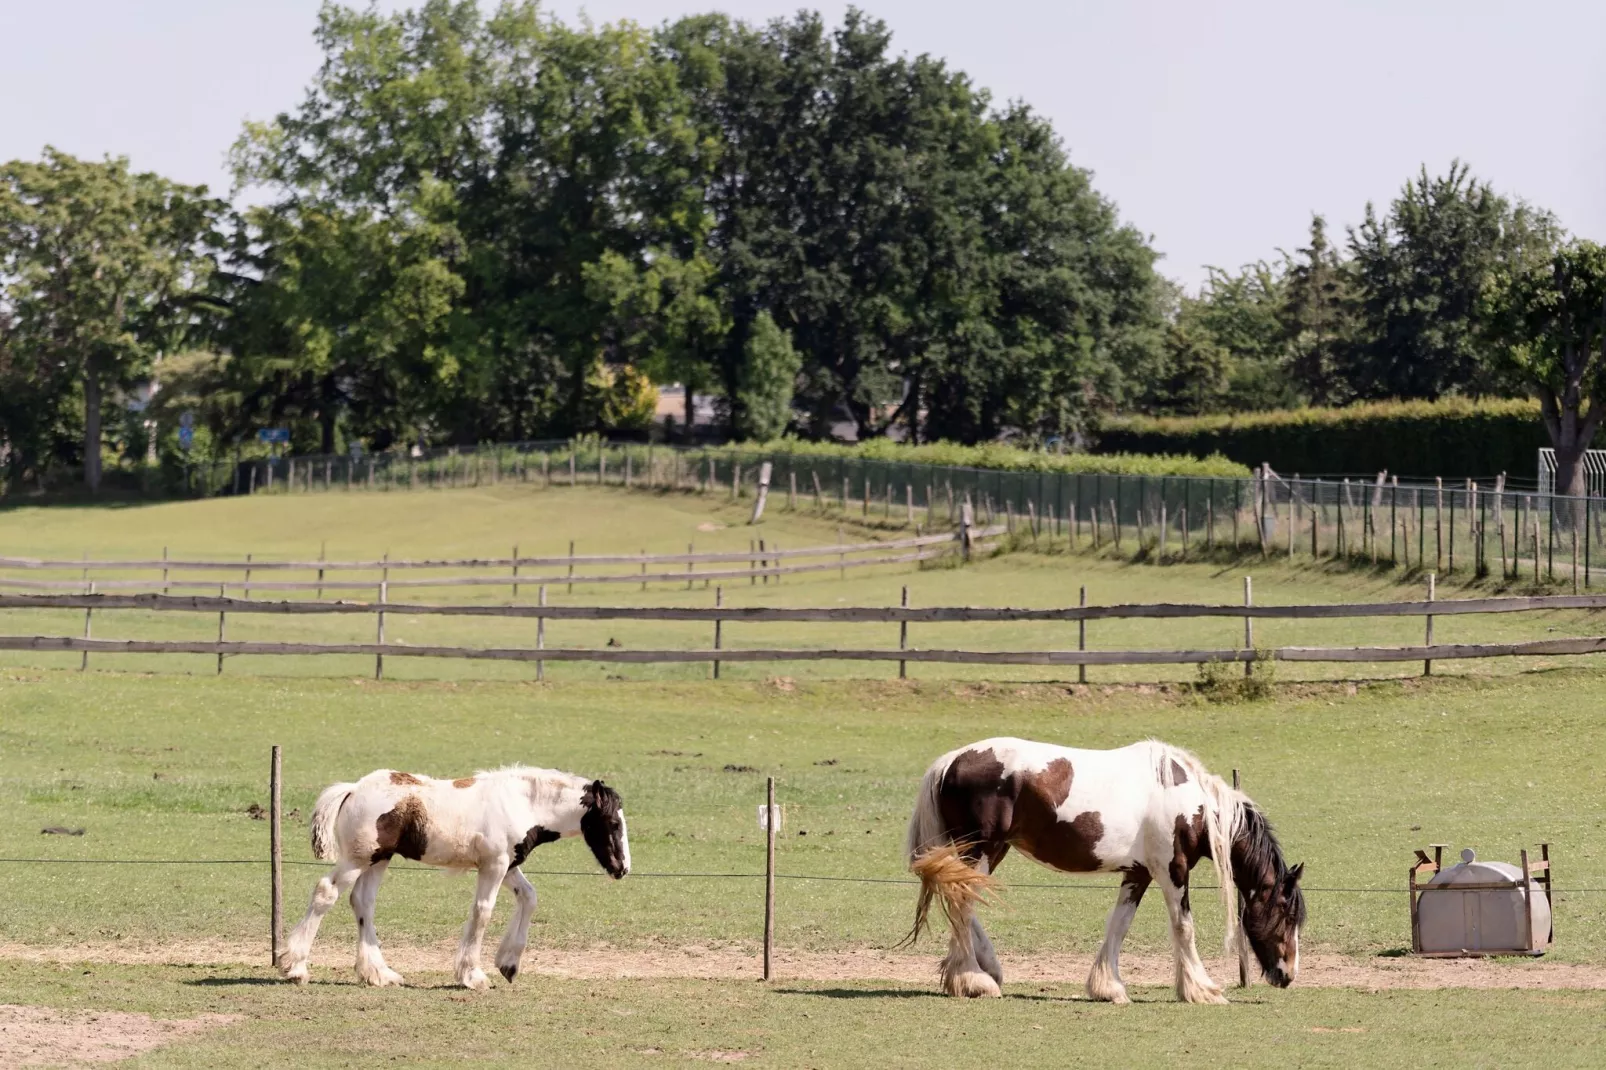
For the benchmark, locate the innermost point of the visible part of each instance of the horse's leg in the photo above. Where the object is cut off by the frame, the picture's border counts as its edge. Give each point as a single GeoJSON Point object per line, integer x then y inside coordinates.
{"type": "Point", "coordinates": [962, 975]}
{"type": "Point", "coordinates": [986, 957]}
{"type": "Point", "coordinates": [468, 971]}
{"type": "Point", "coordinates": [1104, 982]}
{"type": "Point", "coordinates": [1193, 983]}
{"type": "Point", "coordinates": [371, 968]}
{"type": "Point", "coordinates": [511, 949]}
{"type": "Point", "coordinates": [298, 948]}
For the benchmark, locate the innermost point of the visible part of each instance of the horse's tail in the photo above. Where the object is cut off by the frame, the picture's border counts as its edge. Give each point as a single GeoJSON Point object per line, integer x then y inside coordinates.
{"type": "Point", "coordinates": [944, 874]}
{"type": "Point", "coordinates": [947, 878]}
{"type": "Point", "coordinates": [926, 827]}
{"type": "Point", "coordinates": [323, 820]}
{"type": "Point", "coordinates": [1223, 815]}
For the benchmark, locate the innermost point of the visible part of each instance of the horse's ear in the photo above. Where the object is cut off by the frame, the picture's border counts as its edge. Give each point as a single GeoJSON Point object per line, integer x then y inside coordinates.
{"type": "Point", "coordinates": [1293, 876]}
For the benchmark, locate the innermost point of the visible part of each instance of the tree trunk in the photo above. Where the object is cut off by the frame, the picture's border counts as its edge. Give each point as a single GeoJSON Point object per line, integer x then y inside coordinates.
{"type": "Point", "coordinates": [92, 394]}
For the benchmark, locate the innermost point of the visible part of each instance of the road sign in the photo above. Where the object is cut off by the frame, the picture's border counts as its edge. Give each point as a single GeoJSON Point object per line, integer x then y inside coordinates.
{"type": "Point", "coordinates": [187, 420]}
{"type": "Point", "coordinates": [186, 437]}
{"type": "Point", "coordinates": [274, 434]}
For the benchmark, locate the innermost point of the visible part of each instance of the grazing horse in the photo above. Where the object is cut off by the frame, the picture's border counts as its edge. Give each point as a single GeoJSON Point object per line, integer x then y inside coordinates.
{"type": "Point", "coordinates": [1149, 811]}
{"type": "Point", "coordinates": [488, 822]}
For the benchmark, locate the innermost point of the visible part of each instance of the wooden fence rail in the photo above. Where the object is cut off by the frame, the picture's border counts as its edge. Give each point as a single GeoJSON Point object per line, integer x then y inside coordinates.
{"type": "Point", "coordinates": [579, 560]}
{"type": "Point", "coordinates": [760, 561]}
{"type": "Point", "coordinates": [1440, 652]}
{"type": "Point", "coordinates": [720, 614]}
{"type": "Point", "coordinates": [817, 614]}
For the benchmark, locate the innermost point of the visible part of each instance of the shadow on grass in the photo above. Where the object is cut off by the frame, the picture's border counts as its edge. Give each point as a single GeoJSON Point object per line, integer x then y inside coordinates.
{"type": "Point", "coordinates": [232, 982]}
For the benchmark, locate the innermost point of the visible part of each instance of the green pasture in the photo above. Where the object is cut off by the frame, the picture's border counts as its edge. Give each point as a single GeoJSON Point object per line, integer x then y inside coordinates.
{"type": "Point", "coordinates": [161, 759]}
{"type": "Point", "coordinates": [489, 521]}
{"type": "Point", "coordinates": [166, 766]}
{"type": "Point", "coordinates": [553, 1022]}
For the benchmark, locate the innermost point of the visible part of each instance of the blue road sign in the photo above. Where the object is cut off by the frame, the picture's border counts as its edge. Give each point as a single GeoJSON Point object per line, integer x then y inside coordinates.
{"type": "Point", "coordinates": [186, 437]}
{"type": "Point", "coordinates": [274, 434]}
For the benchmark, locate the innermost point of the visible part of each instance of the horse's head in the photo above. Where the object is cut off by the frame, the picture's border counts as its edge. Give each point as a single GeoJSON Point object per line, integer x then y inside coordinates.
{"type": "Point", "coordinates": [1273, 904]}
{"type": "Point", "coordinates": [602, 823]}
{"type": "Point", "coordinates": [1272, 917]}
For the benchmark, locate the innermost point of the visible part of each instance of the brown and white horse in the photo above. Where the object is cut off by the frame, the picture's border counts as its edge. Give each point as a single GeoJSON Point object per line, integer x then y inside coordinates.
{"type": "Point", "coordinates": [1150, 811]}
{"type": "Point", "coordinates": [488, 822]}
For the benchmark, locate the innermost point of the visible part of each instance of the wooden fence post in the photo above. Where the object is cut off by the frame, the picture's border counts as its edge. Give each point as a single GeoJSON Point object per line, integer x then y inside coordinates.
{"type": "Point", "coordinates": [323, 550]}
{"type": "Point", "coordinates": [719, 630]}
{"type": "Point", "coordinates": [574, 475]}
{"type": "Point", "coordinates": [515, 570]}
{"type": "Point", "coordinates": [752, 562]}
{"type": "Point", "coordinates": [908, 505]}
{"type": "Point", "coordinates": [763, 495]}
{"type": "Point", "coordinates": [644, 569]}
{"type": "Point", "coordinates": [164, 570]}
{"type": "Point", "coordinates": [1438, 523]}
{"type": "Point", "coordinates": [84, 663]}
{"type": "Point", "coordinates": [736, 480]}
{"type": "Point", "coordinates": [769, 875]}
{"type": "Point", "coordinates": [1427, 663]}
{"type": "Point", "coordinates": [903, 637]}
{"type": "Point", "coordinates": [1249, 627]}
{"type": "Point", "coordinates": [571, 566]}
{"type": "Point", "coordinates": [276, 854]}
{"type": "Point", "coordinates": [540, 636]}
{"type": "Point", "coordinates": [689, 563]}
{"type": "Point", "coordinates": [1081, 640]}
{"type": "Point", "coordinates": [966, 522]}
{"type": "Point", "coordinates": [384, 596]}
{"type": "Point", "coordinates": [819, 493]}
{"type": "Point", "coordinates": [222, 592]}
{"type": "Point", "coordinates": [791, 491]}
{"type": "Point", "coordinates": [1159, 558]}
{"type": "Point", "coordinates": [841, 558]}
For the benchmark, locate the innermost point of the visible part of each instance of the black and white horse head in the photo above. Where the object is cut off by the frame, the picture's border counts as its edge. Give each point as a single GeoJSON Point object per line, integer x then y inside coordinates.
{"type": "Point", "coordinates": [1274, 905]}
{"type": "Point", "coordinates": [602, 823]}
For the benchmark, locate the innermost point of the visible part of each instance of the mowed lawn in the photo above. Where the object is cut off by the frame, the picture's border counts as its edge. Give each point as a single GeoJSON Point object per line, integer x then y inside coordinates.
{"type": "Point", "coordinates": [555, 1022]}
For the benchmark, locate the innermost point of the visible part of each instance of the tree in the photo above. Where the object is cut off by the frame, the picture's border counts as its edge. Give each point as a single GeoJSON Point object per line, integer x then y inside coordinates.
{"type": "Point", "coordinates": [1317, 319]}
{"type": "Point", "coordinates": [1420, 272]}
{"type": "Point", "coordinates": [763, 403]}
{"type": "Point", "coordinates": [102, 269]}
{"type": "Point", "coordinates": [1549, 321]}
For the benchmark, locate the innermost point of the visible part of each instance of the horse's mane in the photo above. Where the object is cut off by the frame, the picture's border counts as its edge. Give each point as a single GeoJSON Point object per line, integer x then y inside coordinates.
{"type": "Point", "coordinates": [1224, 817]}
{"type": "Point", "coordinates": [1261, 853]}
{"type": "Point", "coordinates": [546, 784]}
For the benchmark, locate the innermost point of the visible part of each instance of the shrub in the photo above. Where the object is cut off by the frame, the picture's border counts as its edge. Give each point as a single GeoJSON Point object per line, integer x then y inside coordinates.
{"type": "Point", "coordinates": [1000, 456]}
{"type": "Point", "coordinates": [1454, 438]}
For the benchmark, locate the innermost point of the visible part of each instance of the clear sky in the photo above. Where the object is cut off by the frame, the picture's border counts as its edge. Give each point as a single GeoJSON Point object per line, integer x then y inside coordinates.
{"type": "Point", "coordinates": [1216, 127]}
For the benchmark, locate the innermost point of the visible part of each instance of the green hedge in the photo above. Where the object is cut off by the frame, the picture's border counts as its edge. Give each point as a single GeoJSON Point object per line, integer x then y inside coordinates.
{"type": "Point", "coordinates": [1457, 439]}
{"type": "Point", "coordinates": [1003, 457]}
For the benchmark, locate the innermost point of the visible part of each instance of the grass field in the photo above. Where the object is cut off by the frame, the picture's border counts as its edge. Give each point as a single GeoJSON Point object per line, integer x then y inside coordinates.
{"type": "Point", "coordinates": [161, 759]}
{"type": "Point", "coordinates": [550, 1022]}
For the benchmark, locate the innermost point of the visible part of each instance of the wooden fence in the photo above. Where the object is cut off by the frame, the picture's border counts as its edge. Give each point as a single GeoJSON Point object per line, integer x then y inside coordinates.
{"type": "Point", "coordinates": [762, 562]}
{"type": "Point", "coordinates": [719, 615]}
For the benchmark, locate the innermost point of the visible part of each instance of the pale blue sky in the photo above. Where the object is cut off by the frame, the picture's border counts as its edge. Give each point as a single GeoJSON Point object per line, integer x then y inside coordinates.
{"type": "Point", "coordinates": [1216, 127]}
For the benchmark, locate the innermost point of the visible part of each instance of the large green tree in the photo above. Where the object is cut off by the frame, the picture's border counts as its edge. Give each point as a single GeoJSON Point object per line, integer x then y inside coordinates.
{"type": "Point", "coordinates": [1548, 324]}
{"type": "Point", "coordinates": [1420, 272]}
{"type": "Point", "coordinates": [102, 270]}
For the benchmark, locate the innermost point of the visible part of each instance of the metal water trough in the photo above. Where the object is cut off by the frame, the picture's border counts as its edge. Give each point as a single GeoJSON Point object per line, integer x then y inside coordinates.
{"type": "Point", "coordinates": [1475, 908]}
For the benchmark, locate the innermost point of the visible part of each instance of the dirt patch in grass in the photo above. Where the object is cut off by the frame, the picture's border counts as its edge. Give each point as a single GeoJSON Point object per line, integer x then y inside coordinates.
{"type": "Point", "coordinates": [1316, 970]}
{"type": "Point", "coordinates": [43, 1036]}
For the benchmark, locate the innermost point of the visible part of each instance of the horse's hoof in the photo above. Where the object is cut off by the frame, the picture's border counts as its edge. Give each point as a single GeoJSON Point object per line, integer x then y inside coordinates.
{"type": "Point", "coordinates": [476, 981]}
{"type": "Point", "coordinates": [509, 972]}
{"type": "Point", "coordinates": [298, 974]}
{"type": "Point", "coordinates": [973, 985]}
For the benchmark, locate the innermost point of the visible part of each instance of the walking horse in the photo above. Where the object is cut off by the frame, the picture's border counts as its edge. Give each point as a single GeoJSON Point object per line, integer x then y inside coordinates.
{"type": "Point", "coordinates": [488, 822]}
{"type": "Point", "coordinates": [1149, 811]}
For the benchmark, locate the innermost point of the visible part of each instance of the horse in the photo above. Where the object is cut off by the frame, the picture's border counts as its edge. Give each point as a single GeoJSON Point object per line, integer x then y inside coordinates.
{"type": "Point", "coordinates": [1149, 811]}
{"type": "Point", "coordinates": [488, 822]}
